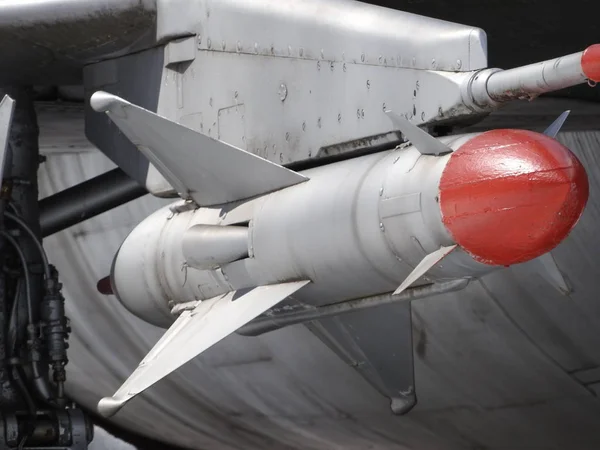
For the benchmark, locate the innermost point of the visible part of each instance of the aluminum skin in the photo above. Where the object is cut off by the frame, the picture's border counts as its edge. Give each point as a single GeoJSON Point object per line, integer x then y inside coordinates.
{"type": "Point", "coordinates": [360, 227]}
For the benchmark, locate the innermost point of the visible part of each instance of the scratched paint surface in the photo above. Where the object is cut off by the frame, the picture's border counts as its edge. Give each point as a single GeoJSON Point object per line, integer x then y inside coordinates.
{"type": "Point", "coordinates": [590, 62]}
{"type": "Point", "coordinates": [508, 196]}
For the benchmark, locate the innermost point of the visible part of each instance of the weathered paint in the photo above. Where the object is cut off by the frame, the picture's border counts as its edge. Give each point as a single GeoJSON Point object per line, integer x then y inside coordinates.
{"type": "Point", "coordinates": [508, 196]}
{"type": "Point", "coordinates": [590, 62]}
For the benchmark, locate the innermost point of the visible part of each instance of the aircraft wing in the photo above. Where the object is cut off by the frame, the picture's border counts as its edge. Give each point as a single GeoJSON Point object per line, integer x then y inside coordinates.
{"type": "Point", "coordinates": [49, 41]}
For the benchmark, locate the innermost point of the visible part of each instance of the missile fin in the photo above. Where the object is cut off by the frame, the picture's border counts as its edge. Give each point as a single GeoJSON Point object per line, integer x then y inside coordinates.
{"type": "Point", "coordinates": [555, 126]}
{"type": "Point", "coordinates": [7, 107]}
{"type": "Point", "coordinates": [548, 269]}
{"type": "Point", "coordinates": [423, 267]}
{"type": "Point", "coordinates": [209, 171]}
{"type": "Point", "coordinates": [420, 139]}
{"type": "Point", "coordinates": [195, 331]}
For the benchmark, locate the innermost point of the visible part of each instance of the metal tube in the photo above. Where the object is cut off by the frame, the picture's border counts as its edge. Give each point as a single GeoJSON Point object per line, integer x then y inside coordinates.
{"type": "Point", "coordinates": [86, 200]}
{"type": "Point", "coordinates": [535, 79]}
{"type": "Point", "coordinates": [27, 229]}
{"type": "Point", "coordinates": [491, 87]}
{"type": "Point", "coordinates": [264, 325]}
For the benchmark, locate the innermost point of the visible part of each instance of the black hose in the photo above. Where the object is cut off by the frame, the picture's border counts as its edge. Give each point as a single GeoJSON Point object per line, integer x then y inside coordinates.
{"type": "Point", "coordinates": [30, 406]}
{"type": "Point", "coordinates": [35, 239]}
{"type": "Point", "coordinates": [13, 337]}
{"type": "Point", "coordinates": [39, 381]}
{"type": "Point", "coordinates": [24, 391]}
{"type": "Point", "coordinates": [41, 384]}
{"type": "Point", "coordinates": [14, 209]}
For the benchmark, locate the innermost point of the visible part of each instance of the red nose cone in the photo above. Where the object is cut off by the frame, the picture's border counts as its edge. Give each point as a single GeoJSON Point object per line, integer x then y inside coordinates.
{"type": "Point", "coordinates": [590, 62]}
{"type": "Point", "coordinates": [508, 196]}
{"type": "Point", "coordinates": [104, 286]}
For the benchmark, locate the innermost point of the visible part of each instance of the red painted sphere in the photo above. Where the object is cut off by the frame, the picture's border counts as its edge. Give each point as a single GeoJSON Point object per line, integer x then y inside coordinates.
{"type": "Point", "coordinates": [508, 196]}
{"type": "Point", "coordinates": [590, 62]}
{"type": "Point", "coordinates": [104, 286]}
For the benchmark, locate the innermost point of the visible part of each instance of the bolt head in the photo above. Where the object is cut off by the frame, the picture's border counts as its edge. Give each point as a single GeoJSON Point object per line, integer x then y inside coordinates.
{"type": "Point", "coordinates": [282, 92]}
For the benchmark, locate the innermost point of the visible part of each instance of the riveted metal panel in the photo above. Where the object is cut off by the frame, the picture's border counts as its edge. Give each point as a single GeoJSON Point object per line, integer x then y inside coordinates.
{"type": "Point", "coordinates": [297, 109]}
{"type": "Point", "coordinates": [331, 30]}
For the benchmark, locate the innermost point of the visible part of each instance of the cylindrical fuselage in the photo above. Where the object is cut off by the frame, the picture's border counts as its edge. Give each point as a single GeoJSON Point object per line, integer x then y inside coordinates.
{"type": "Point", "coordinates": [356, 228]}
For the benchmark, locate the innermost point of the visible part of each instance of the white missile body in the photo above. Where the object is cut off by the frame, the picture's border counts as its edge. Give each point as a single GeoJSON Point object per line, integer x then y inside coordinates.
{"type": "Point", "coordinates": [356, 228]}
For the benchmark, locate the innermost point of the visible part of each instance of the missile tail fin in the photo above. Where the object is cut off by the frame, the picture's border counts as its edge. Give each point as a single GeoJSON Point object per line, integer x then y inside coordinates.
{"type": "Point", "coordinates": [7, 107]}
{"type": "Point", "coordinates": [209, 171]}
{"type": "Point", "coordinates": [420, 139]}
{"type": "Point", "coordinates": [194, 332]}
{"type": "Point", "coordinates": [424, 266]}
{"type": "Point", "coordinates": [555, 126]}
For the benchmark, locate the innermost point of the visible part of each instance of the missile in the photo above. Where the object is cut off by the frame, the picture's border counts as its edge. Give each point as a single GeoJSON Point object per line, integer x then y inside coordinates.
{"type": "Point", "coordinates": [365, 226]}
{"type": "Point", "coordinates": [249, 235]}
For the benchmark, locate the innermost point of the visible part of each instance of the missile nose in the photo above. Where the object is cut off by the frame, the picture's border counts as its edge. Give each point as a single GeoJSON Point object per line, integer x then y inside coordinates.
{"type": "Point", "coordinates": [508, 196]}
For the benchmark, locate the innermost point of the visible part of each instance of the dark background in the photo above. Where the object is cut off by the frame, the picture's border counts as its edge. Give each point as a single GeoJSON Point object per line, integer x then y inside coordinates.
{"type": "Point", "coordinates": [521, 31]}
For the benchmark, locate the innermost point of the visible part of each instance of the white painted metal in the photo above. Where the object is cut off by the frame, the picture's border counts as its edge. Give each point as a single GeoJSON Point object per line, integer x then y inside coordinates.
{"type": "Point", "coordinates": [356, 228]}
{"type": "Point", "coordinates": [7, 107]}
{"type": "Point", "coordinates": [334, 30]}
{"type": "Point", "coordinates": [424, 266]}
{"type": "Point", "coordinates": [287, 81]}
{"type": "Point", "coordinates": [197, 166]}
{"type": "Point", "coordinates": [489, 88]}
{"type": "Point", "coordinates": [207, 247]}
{"type": "Point", "coordinates": [535, 79]}
{"type": "Point", "coordinates": [555, 126]}
{"type": "Point", "coordinates": [420, 139]}
{"type": "Point", "coordinates": [197, 329]}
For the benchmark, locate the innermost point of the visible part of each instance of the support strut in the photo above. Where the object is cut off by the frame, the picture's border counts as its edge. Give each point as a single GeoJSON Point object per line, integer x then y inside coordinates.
{"type": "Point", "coordinates": [86, 200]}
{"type": "Point", "coordinates": [34, 410]}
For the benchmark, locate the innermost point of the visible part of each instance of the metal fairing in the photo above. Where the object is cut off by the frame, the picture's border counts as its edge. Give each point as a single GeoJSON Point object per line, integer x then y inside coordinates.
{"type": "Point", "coordinates": [292, 85]}
{"type": "Point", "coordinates": [333, 30]}
{"type": "Point", "coordinates": [383, 354]}
{"type": "Point", "coordinates": [172, 279]}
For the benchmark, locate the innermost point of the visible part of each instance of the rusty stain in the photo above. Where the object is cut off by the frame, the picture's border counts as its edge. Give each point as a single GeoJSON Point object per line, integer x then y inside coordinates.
{"type": "Point", "coordinates": [385, 139]}
{"type": "Point", "coordinates": [508, 196]}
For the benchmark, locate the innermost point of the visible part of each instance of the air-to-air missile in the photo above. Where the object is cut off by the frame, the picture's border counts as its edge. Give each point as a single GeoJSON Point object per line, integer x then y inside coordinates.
{"type": "Point", "coordinates": [423, 218]}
